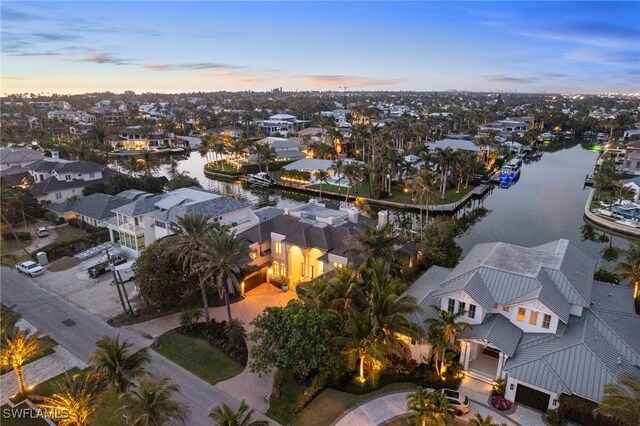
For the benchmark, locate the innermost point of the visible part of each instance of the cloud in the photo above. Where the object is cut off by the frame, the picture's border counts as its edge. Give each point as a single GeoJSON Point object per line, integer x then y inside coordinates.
{"type": "Point", "coordinates": [101, 58]}
{"type": "Point", "coordinates": [55, 36]}
{"type": "Point", "coordinates": [508, 79]}
{"type": "Point", "coordinates": [345, 80]}
{"type": "Point", "coordinates": [191, 66]}
{"type": "Point", "coordinates": [14, 78]}
{"type": "Point", "coordinates": [13, 15]}
{"type": "Point", "coordinates": [595, 34]}
{"type": "Point", "coordinates": [605, 57]}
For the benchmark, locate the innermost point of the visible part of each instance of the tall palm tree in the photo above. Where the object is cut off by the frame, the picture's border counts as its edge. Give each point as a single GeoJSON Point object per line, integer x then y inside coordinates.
{"type": "Point", "coordinates": [629, 268]}
{"type": "Point", "coordinates": [445, 158]}
{"type": "Point", "coordinates": [354, 175]}
{"type": "Point", "coordinates": [265, 154]}
{"type": "Point", "coordinates": [430, 408]}
{"type": "Point", "coordinates": [117, 363]}
{"type": "Point", "coordinates": [621, 400]}
{"type": "Point", "coordinates": [188, 245]}
{"type": "Point", "coordinates": [221, 261]}
{"type": "Point", "coordinates": [149, 162]}
{"type": "Point", "coordinates": [77, 397]}
{"type": "Point", "coordinates": [422, 187]}
{"type": "Point", "coordinates": [321, 176]}
{"type": "Point", "coordinates": [151, 404]}
{"type": "Point", "coordinates": [449, 324]}
{"type": "Point", "coordinates": [223, 415]}
{"type": "Point", "coordinates": [18, 347]}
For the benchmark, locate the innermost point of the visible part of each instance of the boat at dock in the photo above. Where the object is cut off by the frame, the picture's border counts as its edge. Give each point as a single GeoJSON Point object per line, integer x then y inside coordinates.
{"type": "Point", "coordinates": [261, 179]}
{"type": "Point", "coordinates": [510, 172]}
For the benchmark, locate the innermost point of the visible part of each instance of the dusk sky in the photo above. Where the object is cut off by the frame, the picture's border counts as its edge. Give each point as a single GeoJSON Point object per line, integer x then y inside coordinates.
{"type": "Point", "coordinates": [78, 47]}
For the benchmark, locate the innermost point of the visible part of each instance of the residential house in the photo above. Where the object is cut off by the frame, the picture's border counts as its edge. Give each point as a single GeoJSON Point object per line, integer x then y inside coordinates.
{"type": "Point", "coordinates": [539, 320]}
{"type": "Point", "coordinates": [632, 158]}
{"type": "Point", "coordinates": [150, 217]}
{"type": "Point", "coordinates": [505, 128]}
{"type": "Point", "coordinates": [22, 157]}
{"type": "Point", "coordinates": [133, 137]}
{"type": "Point", "coordinates": [303, 243]}
{"type": "Point", "coordinates": [56, 181]}
{"type": "Point", "coordinates": [95, 209]}
{"type": "Point", "coordinates": [286, 149]}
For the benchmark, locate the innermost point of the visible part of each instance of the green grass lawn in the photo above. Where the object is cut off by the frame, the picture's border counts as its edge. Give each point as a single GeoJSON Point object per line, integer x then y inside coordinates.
{"type": "Point", "coordinates": [66, 233]}
{"type": "Point", "coordinates": [280, 408]}
{"type": "Point", "coordinates": [331, 404]}
{"type": "Point", "coordinates": [406, 421]}
{"type": "Point", "coordinates": [11, 252]}
{"type": "Point", "coordinates": [198, 356]}
{"type": "Point", "coordinates": [220, 167]}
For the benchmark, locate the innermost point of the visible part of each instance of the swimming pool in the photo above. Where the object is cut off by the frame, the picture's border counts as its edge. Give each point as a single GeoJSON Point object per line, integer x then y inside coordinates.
{"type": "Point", "coordinates": [629, 213]}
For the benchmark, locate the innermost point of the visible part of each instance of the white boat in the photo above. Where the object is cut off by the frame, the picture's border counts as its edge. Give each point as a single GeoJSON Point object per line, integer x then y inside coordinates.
{"type": "Point", "coordinates": [510, 171]}
{"type": "Point", "coordinates": [262, 179]}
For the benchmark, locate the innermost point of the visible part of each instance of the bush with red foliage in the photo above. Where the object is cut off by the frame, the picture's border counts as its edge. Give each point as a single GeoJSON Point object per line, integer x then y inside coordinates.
{"type": "Point", "coordinates": [500, 402]}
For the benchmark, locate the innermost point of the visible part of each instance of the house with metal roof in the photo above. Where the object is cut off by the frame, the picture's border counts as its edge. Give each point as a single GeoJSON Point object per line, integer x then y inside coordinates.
{"type": "Point", "coordinates": [144, 219]}
{"type": "Point", "coordinates": [303, 243]}
{"type": "Point", "coordinates": [22, 157]}
{"type": "Point", "coordinates": [538, 319]}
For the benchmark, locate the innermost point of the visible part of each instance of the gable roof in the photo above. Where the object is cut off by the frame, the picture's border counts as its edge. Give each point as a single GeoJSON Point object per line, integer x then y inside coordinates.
{"type": "Point", "coordinates": [52, 184]}
{"type": "Point", "coordinates": [19, 155]}
{"type": "Point", "coordinates": [96, 206]}
{"type": "Point", "coordinates": [215, 207]}
{"type": "Point", "coordinates": [79, 167]}
{"type": "Point", "coordinates": [496, 330]}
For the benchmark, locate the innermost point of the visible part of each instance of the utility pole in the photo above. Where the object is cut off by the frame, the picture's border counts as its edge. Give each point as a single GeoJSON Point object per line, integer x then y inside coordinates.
{"type": "Point", "coordinates": [116, 282]}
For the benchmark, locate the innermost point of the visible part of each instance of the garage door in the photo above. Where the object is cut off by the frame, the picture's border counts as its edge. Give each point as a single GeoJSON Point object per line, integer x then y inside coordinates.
{"type": "Point", "coordinates": [532, 398]}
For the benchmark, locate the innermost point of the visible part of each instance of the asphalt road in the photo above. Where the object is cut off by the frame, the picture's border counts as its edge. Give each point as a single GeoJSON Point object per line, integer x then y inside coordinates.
{"type": "Point", "coordinates": [47, 311]}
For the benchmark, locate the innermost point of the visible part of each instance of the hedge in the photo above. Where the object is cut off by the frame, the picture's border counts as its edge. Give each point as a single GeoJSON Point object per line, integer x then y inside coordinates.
{"type": "Point", "coordinates": [297, 175]}
{"type": "Point", "coordinates": [60, 249]}
{"type": "Point", "coordinates": [22, 236]}
{"type": "Point", "coordinates": [580, 410]}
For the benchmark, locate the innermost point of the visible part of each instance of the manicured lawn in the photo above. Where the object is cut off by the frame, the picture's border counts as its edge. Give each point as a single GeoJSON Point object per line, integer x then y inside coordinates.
{"type": "Point", "coordinates": [331, 404]}
{"type": "Point", "coordinates": [11, 252]}
{"type": "Point", "coordinates": [221, 167]}
{"type": "Point", "coordinates": [280, 408]}
{"type": "Point", "coordinates": [198, 356]}
{"type": "Point", "coordinates": [405, 421]}
{"type": "Point", "coordinates": [48, 387]}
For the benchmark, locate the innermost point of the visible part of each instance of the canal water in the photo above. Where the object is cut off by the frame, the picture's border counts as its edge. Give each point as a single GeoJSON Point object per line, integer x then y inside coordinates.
{"type": "Point", "coordinates": [547, 202]}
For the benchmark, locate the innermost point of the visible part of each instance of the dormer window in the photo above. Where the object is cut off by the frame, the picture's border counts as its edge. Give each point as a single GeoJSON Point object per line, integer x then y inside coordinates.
{"type": "Point", "coordinates": [67, 177]}
{"type": "Point", "coordinates": [546, 321]}
{"type": "Point", "coordinates": [461, 307]}
{"type": "Point", "coordinates": [522, 312]}
{"type": "Point", "coordinates": [505, 308]}
{"type": "Point", "coordinates": [472, 311]}
{"type": "Point", "coordinates": [533, 318]}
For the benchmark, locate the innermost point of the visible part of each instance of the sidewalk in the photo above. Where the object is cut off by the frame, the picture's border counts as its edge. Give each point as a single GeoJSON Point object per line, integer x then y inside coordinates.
{"type": "Point", "coordinates": [246, 386]}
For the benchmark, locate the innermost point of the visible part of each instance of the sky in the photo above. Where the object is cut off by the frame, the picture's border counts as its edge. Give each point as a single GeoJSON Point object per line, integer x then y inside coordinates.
{"type": "Point", "coordinates": [169, 46]}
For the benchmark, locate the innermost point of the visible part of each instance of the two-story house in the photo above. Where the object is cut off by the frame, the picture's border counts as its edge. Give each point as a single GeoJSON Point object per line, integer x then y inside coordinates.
{"type": "Point", "coordinates": [285, 149]}
{"type": "Point", "coordinates": [303, 243]}
{"type": "Point", "coordinates": [150, 217]}
{"type": "Point", "coordinates": [134, 137]}
{"type": "Point", "coordinates": [538, 319]}
{"type": "Point", "coordinates": [55, 181]}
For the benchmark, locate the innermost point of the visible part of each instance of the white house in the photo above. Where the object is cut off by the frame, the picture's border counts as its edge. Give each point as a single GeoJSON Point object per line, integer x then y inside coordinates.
{"type": "Point", "coordinates": [286, 149]}
{"type": "Point", "coordinates": [20, 157]}
{"type": "Point", "coordinates": [505, 127]}
{"type": "Point", "coordinates": [150, 217]}
{"type": "Point", "coordinates": [539, 320]}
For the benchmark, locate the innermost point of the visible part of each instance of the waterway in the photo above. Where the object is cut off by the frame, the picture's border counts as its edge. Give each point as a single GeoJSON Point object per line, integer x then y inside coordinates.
{"type": "Point", "coordinates": [546, 203]}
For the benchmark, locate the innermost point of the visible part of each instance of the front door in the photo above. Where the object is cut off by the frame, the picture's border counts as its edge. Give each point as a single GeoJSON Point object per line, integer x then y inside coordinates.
{"type": "Point", "coordinates": [532, 398]}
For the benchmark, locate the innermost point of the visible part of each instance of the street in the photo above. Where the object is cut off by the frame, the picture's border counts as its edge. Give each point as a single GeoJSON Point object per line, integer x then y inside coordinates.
{"type": "Point", "coordinates": [49, 313]}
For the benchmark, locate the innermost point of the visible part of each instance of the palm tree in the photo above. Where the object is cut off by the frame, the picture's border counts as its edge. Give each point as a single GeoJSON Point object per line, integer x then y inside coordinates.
{"type": "Point", "coordinates": [621, 400]}
{"type": "Point", "coordinates": [321, 176]}
{"type": "Point", "coordinates": [430, 408]}
{"type": "Point", "coordinates": [189, 243]}
{"type": "Point", "coordinates": [221, 260]}
{"type": "Point", "coordinates": [337, 167]}
{"type": "Point", "coordinates": [422, 187]}
{"type": "Point", "coordinates": [115, 361]}
{"type": "Point", "coordinates": [374, 242]}
{"type": "Point", "coordinates": [18, 347]}
{"type": "Point", "coordinates": [479, 420]}
{"type": "Point", "coordinates": [265, 154]}
{"type": "Point", "coordinates": [443, 334]}
{"type": "Point", "coordinates": [133, 166]}
{"type": "Point", "coordinates": [149, 162]}
{"type": "Point", "coordinates": [151, 404]}
{"type": "Point", "coordinates": [77, 397]}
{"type": "Point", "coordinates": [354, 175]}
{"type": "Point", "coordinates": [629, 268]}
{"type": "Point", "coordinates": [445, 158]}
{"type": "Point", "coordinates": [223, 415]}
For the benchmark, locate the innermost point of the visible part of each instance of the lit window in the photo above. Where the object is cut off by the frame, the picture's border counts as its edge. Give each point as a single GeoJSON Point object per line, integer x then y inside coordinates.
{"type": "Point", "coordinates": [505, 308]}
{"type": "Point", "coordinates": [461, 307]}
{"type": "Point", "coordinates": [472, 311]}
{"type": "Point", "coordinates": [452, 305]}
{"type": "Point", "coordinates": [546, 321]}
{"type": "Point", "coordinates": [278, 245]}
{"type": "Point", "coordinates": [337, 265]}
{"type": "Point", "coordinates": [521, 314]}
{"type": "Point", "coordinates": [276, 268]}
{"type": "Point", "coordinates": [533, 319]}
{"type": "Point", "coordinates": [495, 306]}
{"type": "Point", "coordinates": [253, 254]}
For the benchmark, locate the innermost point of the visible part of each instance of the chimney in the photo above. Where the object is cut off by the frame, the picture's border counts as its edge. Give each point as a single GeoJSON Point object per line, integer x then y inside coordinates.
{"type": "Point", "coordinates": [55, 155]}
{"type": "Point", "coordinates": [383, 218]}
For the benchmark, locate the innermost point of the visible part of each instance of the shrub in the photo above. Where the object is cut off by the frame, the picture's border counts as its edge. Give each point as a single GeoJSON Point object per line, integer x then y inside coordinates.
{"type": "Point", "coordinates": [500, 402]}
{"type": "Point", "coordinates": [606, 276]}
{"type": "Point", "coordinates": [580, 410]}
{"type": "Point", "coordinates": [59, 249]}
{"type": "Point", "coordinates": [22, 236]}
{"type": "Point", "coordinates": [298, 175]}
{"type": "Point", "coordinates": [317, 385]}
{"type": "Point", "coordinates": [554, 418]}
{"type": "Point", "coordinates": [235, 334]}
{"type": "Point", "coordinates": [189, 318]}
{"type": "Point", "coordinates": [499, 387]}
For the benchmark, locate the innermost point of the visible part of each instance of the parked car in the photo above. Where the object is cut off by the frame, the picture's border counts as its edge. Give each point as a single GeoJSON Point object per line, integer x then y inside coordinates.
{"type": "Point", "coordinates": [103, 267]}
{"type": "Point", "coordinates": [42, 232]}
{"type": "Point", "coordinates": [459, 401]}
{"type": "Point", "coordinates": [30, 268]}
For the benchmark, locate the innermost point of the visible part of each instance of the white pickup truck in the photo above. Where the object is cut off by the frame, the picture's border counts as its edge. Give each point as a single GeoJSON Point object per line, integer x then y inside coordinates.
{"type": "Point", "coordinates": [30, 268]}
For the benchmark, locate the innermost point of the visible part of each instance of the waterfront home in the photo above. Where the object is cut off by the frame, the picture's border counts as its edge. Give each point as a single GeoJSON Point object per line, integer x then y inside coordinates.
{"type": "Point", "coordinates": [634, 185]}
{"type": "Point", "coordinates": [134, 137]}
{"type": "Point", "coordinates": [505, 128]}
{"type": "Point", "coordinates": [150, 217]}
{"type": "Point", "coordinates": [95, 209]}
{"type": "Point", "coordinates": [631, 162]}
{"type": "Point", "coordinates": [55, 181]}
{"type": "Point", "coordinates": [538, 319]}
{"type": "Point", "coordinates": [302, 243]}
{"type": "Point", "coordinates": [285, 149]}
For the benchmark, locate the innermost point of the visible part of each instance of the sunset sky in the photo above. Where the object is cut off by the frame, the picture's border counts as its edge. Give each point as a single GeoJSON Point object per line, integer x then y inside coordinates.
{"type": "Point", "coordinates": [77, 47]}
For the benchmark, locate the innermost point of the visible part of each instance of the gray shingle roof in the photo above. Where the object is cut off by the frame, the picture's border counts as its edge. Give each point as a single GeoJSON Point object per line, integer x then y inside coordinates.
{"type": "Point", "coordinates": [214, 208]}
{"type": "Point", "coordinates": [139, 206]}
{"type": "Point", "coordinates": [79, 167]}
{"type": "Point", "coordinates": [19, 155]}
{"type": "Point", "coordinates": [96, 206]}
{"type": "Point", "coordinates": [496, 330]}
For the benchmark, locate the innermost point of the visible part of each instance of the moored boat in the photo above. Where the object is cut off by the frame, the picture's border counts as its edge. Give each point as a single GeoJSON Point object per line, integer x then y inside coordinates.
{"type": "Point", "coordinates": [261, 179]}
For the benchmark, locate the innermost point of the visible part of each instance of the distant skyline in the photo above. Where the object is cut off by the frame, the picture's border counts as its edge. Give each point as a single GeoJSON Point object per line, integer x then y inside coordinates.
{"type": "Point", "coordinates": [78, 47]}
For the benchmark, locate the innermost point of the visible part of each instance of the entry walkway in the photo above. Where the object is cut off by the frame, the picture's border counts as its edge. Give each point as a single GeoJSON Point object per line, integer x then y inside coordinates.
{"type": "Point", "coordinates": [387, 407]}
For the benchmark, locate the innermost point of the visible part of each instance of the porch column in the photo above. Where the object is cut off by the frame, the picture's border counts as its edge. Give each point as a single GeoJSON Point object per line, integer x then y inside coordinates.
{"type": "Point", "coordinates": [501, 360]}
{"type": "Point", "coordinates": [465, 355]}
